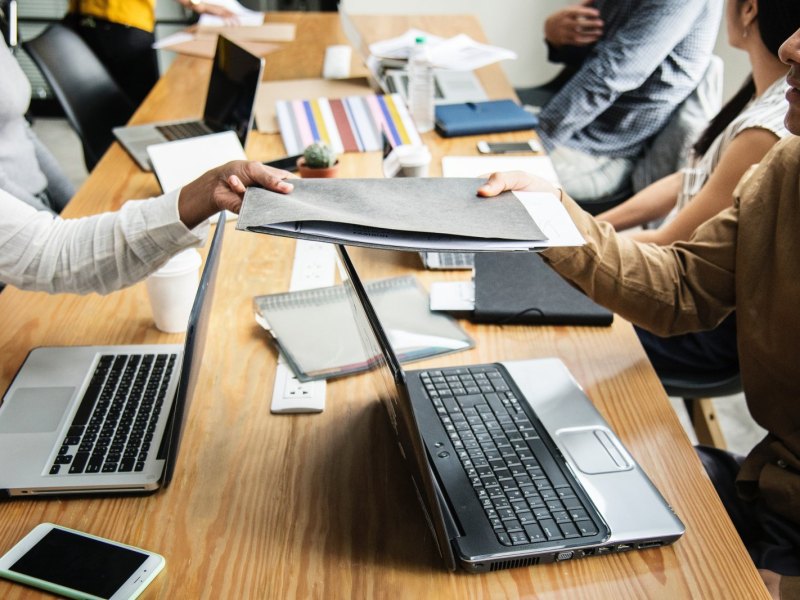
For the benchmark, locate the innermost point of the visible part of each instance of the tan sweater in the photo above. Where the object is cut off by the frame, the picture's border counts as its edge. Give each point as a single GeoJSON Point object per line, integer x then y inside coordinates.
{"type": "Point", "coordinates": [693, 285]}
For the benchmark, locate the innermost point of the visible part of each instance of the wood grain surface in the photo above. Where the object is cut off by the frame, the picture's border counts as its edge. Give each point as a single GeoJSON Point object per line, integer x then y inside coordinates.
{"type": "Point", "coordinates": [321, 506]}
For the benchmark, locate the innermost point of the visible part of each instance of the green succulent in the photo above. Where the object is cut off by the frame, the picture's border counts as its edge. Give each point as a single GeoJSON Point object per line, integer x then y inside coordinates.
{"type": "Point", "coordinates": [319, 155]}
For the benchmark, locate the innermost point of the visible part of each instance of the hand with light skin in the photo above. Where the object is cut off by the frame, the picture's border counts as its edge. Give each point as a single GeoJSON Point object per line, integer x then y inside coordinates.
{"type": "Point", "coordinates": [519, 181]}
{"type": "Point", "coordinates": [223, 188]}
{"type": "Point", "coordinates": [576, 25]}
{"type": "Point", "coordinates": [208, 8]}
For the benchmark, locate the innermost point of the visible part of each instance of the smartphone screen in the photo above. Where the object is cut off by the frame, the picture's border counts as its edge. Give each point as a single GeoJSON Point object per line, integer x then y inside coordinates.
{"type": "Point", "coordinates": [78, 562]}
{"type": "Point", "coordinates": [503, 147]}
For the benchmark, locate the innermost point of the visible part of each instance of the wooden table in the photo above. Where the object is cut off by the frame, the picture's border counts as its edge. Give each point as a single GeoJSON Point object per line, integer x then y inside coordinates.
{"type": "Point", "coordinates": [320, 506]}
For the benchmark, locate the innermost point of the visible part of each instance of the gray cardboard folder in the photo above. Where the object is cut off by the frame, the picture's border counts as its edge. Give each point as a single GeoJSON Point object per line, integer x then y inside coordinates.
{"type": "Point", "coordinates": [414, 213]}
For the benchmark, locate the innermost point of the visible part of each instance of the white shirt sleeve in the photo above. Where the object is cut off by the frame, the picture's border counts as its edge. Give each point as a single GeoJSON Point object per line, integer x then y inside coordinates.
{"type": "Point", "coordinates": [100, 253]}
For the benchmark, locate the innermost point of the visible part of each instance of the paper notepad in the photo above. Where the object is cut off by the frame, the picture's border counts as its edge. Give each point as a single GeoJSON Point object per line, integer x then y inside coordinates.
{"type": "Point", "coordinates": [350, 124]}
{"type": "Point", "coordinates": [317, 334]}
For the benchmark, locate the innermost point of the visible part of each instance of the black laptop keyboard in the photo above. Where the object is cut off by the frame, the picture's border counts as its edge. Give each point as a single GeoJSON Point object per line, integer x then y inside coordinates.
{"type": "Point", "coordinates": [523, 491]}
{"type": "Point", "coordinates": [456, 260]}
{"type": "Point", "coordinates": [112, 431]}
{"type": "Point", "coordinates": [182, 131]}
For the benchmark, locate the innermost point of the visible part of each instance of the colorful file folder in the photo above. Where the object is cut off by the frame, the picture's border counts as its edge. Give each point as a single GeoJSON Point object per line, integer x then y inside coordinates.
{"type": "Point", "coordinates": [351, 124]}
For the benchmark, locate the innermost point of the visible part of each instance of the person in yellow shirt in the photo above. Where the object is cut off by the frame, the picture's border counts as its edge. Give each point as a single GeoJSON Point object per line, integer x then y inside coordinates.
{"type": "Point", "coordinates": [120, 33]}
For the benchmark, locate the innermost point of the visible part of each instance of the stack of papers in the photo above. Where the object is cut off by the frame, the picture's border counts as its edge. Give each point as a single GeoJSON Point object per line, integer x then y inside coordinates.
{"type": "Point", "coordinates": [460, 52]}
{"type": "Point", "coordinates": [478, 166]}
{"type": "Point", "coordinates": [242, 15]}
{"type": "Point", "coordinates": [202, 41]}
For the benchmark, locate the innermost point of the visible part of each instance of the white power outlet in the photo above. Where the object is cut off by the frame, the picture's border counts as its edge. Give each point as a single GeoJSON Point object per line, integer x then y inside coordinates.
{"type": "Point", "coordinates": [314, 266]}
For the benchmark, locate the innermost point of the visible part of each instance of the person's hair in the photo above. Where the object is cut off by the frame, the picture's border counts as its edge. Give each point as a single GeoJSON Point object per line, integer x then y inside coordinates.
{"type": "Point", "coordinates": [777, 20]}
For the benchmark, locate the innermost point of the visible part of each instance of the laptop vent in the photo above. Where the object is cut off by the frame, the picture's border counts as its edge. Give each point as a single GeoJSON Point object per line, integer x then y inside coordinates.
{"type": "Point", "coordinates": [513, 564]}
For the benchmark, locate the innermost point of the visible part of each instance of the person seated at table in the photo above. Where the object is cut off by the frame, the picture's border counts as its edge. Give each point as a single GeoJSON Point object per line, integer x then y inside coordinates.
{"type": "Point", "coordinates": [28, 170]}
{"type": "Point", "coordinates": [120, 33]}
{"type": "Point", "coordinates": [106, 252]}
{"type": "Point", "coordinates": [746, 258]}
{"type": "Point", "coordinates": [636, 61]}
{"type": "Point", "coordinates": [739, 136]}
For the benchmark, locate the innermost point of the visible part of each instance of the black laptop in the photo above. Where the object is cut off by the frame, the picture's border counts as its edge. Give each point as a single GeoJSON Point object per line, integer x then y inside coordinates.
{"type": "Point", "coordinates": [230, 104]}
{"type": "Point", "coordinates": [512, 462]}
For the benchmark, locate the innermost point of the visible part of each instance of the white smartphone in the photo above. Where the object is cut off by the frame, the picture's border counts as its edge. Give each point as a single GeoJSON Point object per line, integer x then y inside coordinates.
{"type": "Point", "coordinates": [507, 147]}
{"type": "Point", "coordinates": [78, 565]}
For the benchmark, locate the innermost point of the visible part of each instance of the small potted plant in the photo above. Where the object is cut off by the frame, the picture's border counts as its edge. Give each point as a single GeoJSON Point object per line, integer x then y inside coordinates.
{"type": "Point", "coordinates": [318, 160]}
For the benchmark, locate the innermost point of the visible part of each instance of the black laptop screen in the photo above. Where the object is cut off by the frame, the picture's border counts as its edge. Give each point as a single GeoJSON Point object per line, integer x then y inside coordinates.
{"type": "Point", "coordinates": [388, 382]}
{"type": "Point", "coordinates": [235, 77]}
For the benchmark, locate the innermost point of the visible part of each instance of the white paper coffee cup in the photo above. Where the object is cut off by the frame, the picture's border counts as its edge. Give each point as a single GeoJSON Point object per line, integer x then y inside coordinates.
{"type": "Point", "coordinates": [172, 290]}
{"type": "Point", "coordinates": [414, 160]}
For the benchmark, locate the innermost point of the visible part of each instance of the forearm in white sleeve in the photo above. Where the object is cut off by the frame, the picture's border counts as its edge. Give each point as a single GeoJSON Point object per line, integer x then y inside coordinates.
{"type": "Point", "coordinates": [100, 253]}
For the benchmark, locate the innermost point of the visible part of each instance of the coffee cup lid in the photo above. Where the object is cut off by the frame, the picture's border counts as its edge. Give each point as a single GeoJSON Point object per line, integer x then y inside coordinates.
{"type": "Point", "coordinates": [187, 260]}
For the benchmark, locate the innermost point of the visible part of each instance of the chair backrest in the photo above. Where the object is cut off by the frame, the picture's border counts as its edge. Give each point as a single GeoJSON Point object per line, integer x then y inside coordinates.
{"type": "Point", "coordinates": [91, 99]}
{"type": "Point", "coordinates": [667, 151]}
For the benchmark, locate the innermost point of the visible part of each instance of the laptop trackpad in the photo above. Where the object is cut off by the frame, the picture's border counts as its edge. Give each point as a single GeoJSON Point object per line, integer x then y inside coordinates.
{"type": "Point", "coordinates": [593, 451]}
{"type": "Point", "coordinates": [35, 410]}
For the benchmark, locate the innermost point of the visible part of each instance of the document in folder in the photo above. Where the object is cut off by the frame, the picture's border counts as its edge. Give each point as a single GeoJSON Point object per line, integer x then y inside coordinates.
{"type": "Point", "coordinates": [414, 213]}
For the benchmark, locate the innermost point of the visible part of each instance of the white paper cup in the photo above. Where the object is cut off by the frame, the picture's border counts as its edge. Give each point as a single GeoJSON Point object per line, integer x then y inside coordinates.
{"type": "Point", "coordinates": [172, 290]}
{"type": "Point", "coordinates": [414, 160]}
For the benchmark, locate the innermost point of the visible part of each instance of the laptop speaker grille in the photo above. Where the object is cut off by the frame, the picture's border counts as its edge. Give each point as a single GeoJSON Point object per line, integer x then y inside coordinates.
{"type": "Point", "coordinates": [513, 564]}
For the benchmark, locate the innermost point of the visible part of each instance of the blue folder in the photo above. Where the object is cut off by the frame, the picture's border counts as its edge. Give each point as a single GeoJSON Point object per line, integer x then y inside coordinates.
{"type": "Point", "coordinates": [473, 118]}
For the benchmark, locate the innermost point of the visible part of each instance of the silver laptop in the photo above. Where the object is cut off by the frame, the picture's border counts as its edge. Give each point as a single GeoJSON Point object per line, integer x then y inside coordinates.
{"type": "Point", "coordinates": [103, 419]}
{"type": "Point", "coordinates": [511, 461]}
{"type": "Point", "coordinates": [230, 104]}
{"type": "Point", "coordinates": [449, 86]}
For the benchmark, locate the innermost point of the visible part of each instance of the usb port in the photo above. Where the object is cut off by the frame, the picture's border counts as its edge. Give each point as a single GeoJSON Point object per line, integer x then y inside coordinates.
{"type": "Point", "coordinates": [624, 547]}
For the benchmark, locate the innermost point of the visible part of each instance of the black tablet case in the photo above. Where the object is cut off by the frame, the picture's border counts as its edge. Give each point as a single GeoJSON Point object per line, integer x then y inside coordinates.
{"type": "Point", "coordinates": [519, 287]}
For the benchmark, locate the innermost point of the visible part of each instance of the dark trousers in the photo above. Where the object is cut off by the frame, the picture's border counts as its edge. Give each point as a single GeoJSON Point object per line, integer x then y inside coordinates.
{"type": "Point", "coordinates": [710, 353]}
{"type": "Point", "coordinates": [125, 51]}
{"type": "Point", "coordinates": [772, 541]}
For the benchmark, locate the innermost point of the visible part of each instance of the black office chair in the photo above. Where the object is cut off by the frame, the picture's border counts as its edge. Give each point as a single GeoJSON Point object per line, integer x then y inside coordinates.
{"type": "Point", "coordinates": [91, 99]}
{"type": "Point", "coordinates": [697, 392]}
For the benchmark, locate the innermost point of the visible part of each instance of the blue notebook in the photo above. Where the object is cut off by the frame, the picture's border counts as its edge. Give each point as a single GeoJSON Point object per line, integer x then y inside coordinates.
{"type": "Point", "coordinates": [473, 118]}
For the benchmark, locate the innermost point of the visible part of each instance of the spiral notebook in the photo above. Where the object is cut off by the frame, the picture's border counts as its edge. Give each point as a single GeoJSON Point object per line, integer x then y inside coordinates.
{"type": "Point", "coordinates": [315, 330]}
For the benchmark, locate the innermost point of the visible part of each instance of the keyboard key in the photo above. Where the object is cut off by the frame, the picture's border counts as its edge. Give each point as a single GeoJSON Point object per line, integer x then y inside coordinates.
{"type": "Point", "coordinates": [586, 528]}
{"type": "Point", "coordinates": [79, 462]}
{"type": "Point", "coordinates": [504, 538]}
{"type": "Point", "coordinates": [550, 529]}
{"type": "Point", "coordinates": [518, 538]}
{"type": "Point", "coordinates": [535, 533]}
{"type": "Point", "coordinates": [569, 530]}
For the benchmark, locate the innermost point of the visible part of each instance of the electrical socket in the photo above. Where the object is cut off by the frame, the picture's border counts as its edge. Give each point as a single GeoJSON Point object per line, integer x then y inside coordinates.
{"type": "Point", "coordinates": [293, 396]}
{"type": "Point", "coordinates": [314, 266]}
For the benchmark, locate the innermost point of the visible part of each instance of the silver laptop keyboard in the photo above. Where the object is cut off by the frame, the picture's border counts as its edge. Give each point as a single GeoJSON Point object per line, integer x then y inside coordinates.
{"type": "Point", "coordinates": [520, 485]}
{"type": "Point", "coordinates": [112, 431]}
{"type": "Point", "coordinates": [182, 131]}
